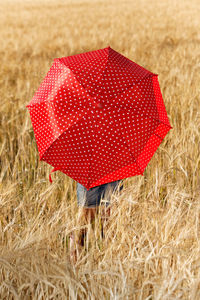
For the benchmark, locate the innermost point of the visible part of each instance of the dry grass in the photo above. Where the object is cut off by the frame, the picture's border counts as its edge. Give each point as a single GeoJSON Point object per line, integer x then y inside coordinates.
{"type": "Point", "coordinates": [152, 246]}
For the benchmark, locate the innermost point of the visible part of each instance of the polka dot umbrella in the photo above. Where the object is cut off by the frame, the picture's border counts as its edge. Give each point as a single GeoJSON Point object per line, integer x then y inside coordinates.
{"type": "Point", "coordinates": [98, 117]}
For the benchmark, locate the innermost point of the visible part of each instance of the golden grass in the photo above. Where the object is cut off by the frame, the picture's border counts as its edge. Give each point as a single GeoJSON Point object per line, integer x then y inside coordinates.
{"type": "Point", "coordinates": [152, 246]}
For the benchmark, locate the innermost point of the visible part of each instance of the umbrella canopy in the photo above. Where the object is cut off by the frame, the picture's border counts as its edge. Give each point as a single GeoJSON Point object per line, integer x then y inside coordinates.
{"type": "Point", "coordinates": [98, 117]}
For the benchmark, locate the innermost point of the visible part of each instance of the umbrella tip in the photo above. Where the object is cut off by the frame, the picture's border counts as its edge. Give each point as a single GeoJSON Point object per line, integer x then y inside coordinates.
{"type": "Point", "coordinates": [50, 179]}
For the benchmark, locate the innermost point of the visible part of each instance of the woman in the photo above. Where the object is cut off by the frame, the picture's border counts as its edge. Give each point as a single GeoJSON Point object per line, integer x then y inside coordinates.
{"type": "Point", "coordinates": [89, 201]}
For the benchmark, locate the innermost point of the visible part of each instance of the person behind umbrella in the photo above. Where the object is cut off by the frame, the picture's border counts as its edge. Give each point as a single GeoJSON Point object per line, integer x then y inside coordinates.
{"type": "Point", "coordinates": [89, 202]}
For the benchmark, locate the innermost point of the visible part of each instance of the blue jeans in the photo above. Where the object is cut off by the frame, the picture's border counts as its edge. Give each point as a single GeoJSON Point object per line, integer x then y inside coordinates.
{"type": "Point", "coordinates": [93, 196]}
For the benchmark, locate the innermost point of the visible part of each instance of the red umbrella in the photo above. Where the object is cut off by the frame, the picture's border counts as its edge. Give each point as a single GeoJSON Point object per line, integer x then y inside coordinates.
{"type": "Point", "coordinates": [98, 117]}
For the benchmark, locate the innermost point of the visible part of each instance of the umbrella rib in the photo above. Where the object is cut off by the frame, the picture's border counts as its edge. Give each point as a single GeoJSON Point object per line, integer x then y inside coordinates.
{"type": "Point", "coordinates": [79, 120]}
{"type": "Point", "coordinates": [91, 156]}
{"type": "Point", "coordinates": [88, 182]}
{"type": "Point", "coordinates": [133, 85]}
{"type": "Point", "coordinates": [123, 138]}
{"type": "Point", "coordinates": [89, 172]}
{"type": "Point", "coordinates": [150, 117]}
{"type": "Point", "coordinates": [158, 136]}
{"type": "Point", "coordinates": [132, 154]}
{"type": "Point", "coordinates": [156, 120]}
{"type": "Point", "coordinates": [103, 72]}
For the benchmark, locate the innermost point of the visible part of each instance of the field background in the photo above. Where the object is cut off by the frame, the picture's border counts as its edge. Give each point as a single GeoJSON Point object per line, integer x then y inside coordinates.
{"type": "Point", "coordinates": [152, 245]}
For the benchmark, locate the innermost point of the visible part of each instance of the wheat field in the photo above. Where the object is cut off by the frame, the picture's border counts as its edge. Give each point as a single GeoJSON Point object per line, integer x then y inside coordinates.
{"type": "Point", "coordinates": [151, 248]}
